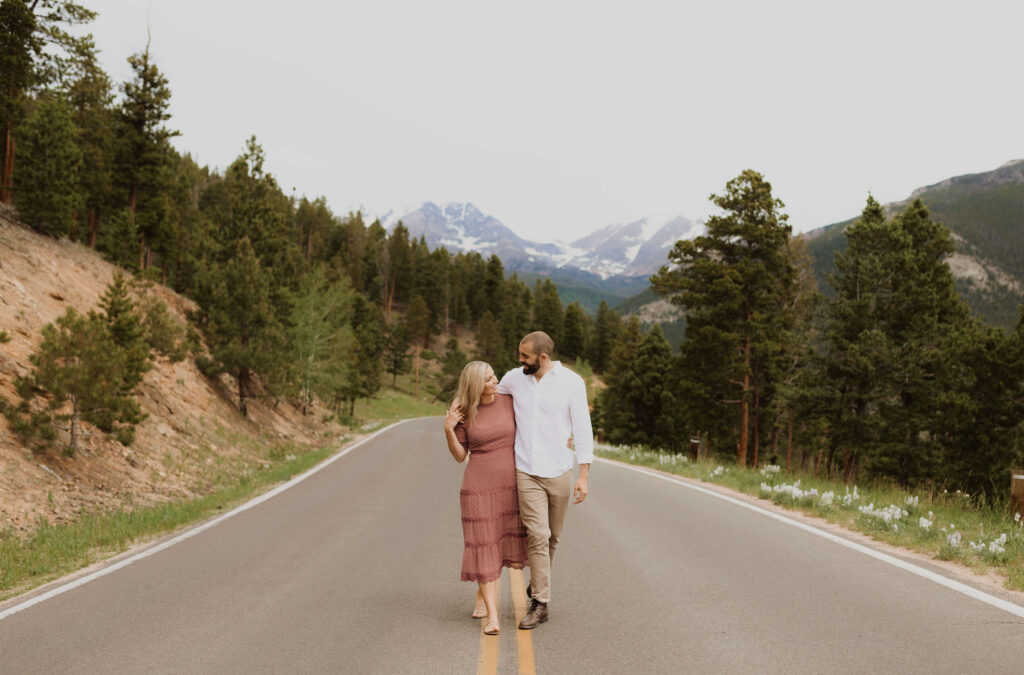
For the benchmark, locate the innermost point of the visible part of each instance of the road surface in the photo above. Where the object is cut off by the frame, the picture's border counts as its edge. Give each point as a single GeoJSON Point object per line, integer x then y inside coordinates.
{"type": "Point", "coordinates": [355, 569]}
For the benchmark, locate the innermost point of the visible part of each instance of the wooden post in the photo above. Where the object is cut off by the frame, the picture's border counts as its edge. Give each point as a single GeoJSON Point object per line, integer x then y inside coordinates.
{"type": "Point", "coordinates": [1017, 491]}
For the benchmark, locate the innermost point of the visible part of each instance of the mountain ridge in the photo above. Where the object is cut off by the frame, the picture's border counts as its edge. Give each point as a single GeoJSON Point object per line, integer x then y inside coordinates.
{"type": "Point", "coordinates": [985, 214]}
{"type": "Point", "coordinates": [617, 250]}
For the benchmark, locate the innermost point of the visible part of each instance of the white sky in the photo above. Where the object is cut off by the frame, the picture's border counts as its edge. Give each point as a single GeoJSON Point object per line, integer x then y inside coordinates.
{"type": "Point", "coordinates": [561, 117]}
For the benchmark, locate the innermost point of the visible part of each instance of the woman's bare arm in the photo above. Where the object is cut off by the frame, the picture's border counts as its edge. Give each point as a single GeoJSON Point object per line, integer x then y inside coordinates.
{"type": "Point", "coordinates": [451, 420]}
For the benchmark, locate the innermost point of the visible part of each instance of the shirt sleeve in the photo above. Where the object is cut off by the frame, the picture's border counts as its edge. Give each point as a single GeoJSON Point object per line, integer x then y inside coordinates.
{"type": "Point", "coordinates": [579, 414]}
{"type": "Point", "coordinates": [460, 435]}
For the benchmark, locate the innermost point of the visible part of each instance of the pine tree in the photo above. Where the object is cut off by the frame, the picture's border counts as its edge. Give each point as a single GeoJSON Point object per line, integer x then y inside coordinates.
{"type": "Point", "coordinates": [36, 50]}
{"type": "Point", "coordinates": [548, 314]}
{"type": "Point", "coordinates": [397, 360]}
{"type": "Point", "coordinates": [494, 285]}
{"type": "Point", "coordinates": [399, 277]}
{"type": "Point", "coordinates": [17, 26]}
{"type": "Point", "coordinates": [489, 343]}
{"type": "Point", "coordinates": [452, 363]}
{"type": "Point", "coordinates": [891, 326]}
{"type": "Point", "coordinates": [47, 187]}
{"type": "Point", "coordinates": [513, 323]}
{"type": "Point", "coordinates": [617, 417]}
{"type": "Point", "coordinates": [313, 220]}
{"type": "Point", "coordinates": [364, 356]}
{"type": "Point", "coordinates": [732, 281]}
{"type": "Point", "coordinates": [144, 149]}
{"type": "Point", "coordinates": [573, 333]}
{"type": "Point", "coordinates": [417, 320]}
{"type": "Point", "coordinates": [607, 329]}
{"type": "Point", "coordinates": [79, 364]}
{"type": "Point", "coordinates": [126, 330]}
{"type": "Point", "coordinates": [240, 324]}
{"type": "Point", "coordinates": [90, 97]}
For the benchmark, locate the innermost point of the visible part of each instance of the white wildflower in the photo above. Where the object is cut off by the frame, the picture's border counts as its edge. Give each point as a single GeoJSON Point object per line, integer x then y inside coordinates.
{"type": "Point", "coordinates": [953, 540]}
{"type": "Point", "coordinates": [912, 501]}
{"type": "Point", "coordinates": [998, 545]}
{"type": "Point", "coordinates": [924, 523]}
{"type": "Point", "coordinates": [826, 499]}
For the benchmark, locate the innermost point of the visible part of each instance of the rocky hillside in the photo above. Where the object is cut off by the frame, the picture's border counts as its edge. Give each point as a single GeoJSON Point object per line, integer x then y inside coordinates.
{"type": "Point", "coordinates": [193, 433]}
{"type": "Point", "coordinates": [985, 213]}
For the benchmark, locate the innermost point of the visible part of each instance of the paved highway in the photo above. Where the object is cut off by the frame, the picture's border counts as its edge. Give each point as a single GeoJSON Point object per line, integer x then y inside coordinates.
{"type": "Point", "coordinates": [355, 569]}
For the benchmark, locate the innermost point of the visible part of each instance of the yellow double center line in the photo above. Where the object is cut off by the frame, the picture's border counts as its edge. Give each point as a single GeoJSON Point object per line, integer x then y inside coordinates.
{"type": "Point", "coordinates": [490, 645]}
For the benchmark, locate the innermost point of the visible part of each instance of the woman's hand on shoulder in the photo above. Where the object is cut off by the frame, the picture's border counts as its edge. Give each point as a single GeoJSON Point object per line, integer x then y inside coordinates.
{"type": "Point", "coordinates": [453, 417]}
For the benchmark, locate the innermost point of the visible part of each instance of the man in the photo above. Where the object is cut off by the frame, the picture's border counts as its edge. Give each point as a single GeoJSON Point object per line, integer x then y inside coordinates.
{"type": "Point", "coordinates": [550, 404]}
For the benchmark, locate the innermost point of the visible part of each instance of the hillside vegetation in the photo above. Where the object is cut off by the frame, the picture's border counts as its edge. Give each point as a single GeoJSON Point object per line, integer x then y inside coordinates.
{"type": "Point", "coordinates": [985, 213]}
{"type": "Point", "coordinates": [192, 438]}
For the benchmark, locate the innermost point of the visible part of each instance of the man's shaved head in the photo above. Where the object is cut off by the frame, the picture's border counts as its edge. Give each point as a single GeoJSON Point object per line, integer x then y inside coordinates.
{"type": "Point", "coordinates": [539, 343]}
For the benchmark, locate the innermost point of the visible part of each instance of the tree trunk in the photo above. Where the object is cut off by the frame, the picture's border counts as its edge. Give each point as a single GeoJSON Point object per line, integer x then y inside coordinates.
{"type": "Point", "coordinates": [243, 379]}
{"type": "Point", "coordinates": [8, 167]}
{"type": "Point", "coordinates": [74, 226]}
{"type": "Point", "coordinates": [92, 228]}
{"type": "Point", "coordinates": [775, 444]}
{"type": "Point", "coordinates": [74, 424]}
{"type": "Point", "coordinates": [757, 422]}
{"type": "Point", "coordinates": [741, 448]}
{"type": "Point", "coordinates": [416, 379]}
{"type": "Point", "coordinates": [789, 446]}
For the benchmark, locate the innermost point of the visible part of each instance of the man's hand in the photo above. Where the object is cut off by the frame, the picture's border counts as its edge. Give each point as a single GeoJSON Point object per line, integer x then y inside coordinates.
{"type": "Point", "coordinates": [580, 491]}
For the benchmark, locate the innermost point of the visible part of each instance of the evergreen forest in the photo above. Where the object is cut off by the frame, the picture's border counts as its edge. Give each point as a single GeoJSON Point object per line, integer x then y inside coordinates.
{"type": "Point", "coordinates": [886, 376]}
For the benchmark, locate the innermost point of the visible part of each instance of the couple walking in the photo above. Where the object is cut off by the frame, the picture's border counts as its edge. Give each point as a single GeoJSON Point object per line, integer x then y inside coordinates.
{"type": "Point", "coordinates": [516, 488]}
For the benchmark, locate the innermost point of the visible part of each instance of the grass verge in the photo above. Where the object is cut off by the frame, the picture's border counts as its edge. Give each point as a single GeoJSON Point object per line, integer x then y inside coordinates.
{"type": "Point", "coordinates": [946, 526]}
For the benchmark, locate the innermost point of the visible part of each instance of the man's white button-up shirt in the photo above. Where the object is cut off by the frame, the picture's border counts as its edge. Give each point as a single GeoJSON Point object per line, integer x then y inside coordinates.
{"type": "Point", "coordinates": [548, 411]}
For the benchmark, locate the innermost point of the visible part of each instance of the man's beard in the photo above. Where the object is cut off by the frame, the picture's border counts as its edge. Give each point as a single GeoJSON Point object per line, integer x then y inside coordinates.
{"type": "Point", "coordinates": [530, 369]}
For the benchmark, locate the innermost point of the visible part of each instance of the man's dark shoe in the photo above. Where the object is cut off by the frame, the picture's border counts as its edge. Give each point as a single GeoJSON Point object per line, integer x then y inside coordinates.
{"type": "Point", "coordinates": [537, 615]}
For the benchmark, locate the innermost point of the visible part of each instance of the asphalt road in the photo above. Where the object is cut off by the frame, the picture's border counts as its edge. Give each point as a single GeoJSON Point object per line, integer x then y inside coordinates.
{"type": "Point", "coordinates": [356, 570]}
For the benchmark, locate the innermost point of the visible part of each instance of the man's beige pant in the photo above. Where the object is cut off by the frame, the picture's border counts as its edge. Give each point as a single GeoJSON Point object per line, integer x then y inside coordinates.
{"type": "Point", "coordinates": [542, 506]}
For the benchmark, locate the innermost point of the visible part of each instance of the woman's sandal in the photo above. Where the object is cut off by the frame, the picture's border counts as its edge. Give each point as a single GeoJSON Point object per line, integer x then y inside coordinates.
{"type": "Point", "coordinates": [479, 612]}
{"type": "Point", "coordinates": [492, 629]}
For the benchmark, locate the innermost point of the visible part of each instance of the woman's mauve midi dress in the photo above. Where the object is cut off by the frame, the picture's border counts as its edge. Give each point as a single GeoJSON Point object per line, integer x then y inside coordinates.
{"type": "Point", "coordinates": [494, 535]}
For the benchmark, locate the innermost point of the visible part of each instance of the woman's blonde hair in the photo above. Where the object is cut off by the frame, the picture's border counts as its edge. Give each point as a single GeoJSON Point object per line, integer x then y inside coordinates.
{"type": "Point", "coordinates": [471, 388]}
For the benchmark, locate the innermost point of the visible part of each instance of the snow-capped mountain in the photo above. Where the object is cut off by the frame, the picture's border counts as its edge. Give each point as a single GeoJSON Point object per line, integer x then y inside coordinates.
{"type": "Point", "coordinates": [633, 249]}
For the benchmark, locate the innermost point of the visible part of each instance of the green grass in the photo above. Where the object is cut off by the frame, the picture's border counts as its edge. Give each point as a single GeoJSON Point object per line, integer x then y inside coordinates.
{"type": "Point", "coordinates": [977, 523]}
{"type": "Point", "coordinates": [390, 405]}
{"type": "Point", "coordinates": [54, 550]}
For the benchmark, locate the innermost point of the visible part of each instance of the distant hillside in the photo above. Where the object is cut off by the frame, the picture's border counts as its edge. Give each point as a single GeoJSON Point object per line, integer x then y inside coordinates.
{"type": "Point", "coordinates": [985, 213]}
{"type": "Point", "coordinates": [588, 289]}
{"type": "Point", "coordinates": [652, 309]}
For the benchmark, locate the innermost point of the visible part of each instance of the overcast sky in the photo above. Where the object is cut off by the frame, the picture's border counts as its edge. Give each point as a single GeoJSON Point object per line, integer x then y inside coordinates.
{"type": "Point", "coordinates": [558, 118]}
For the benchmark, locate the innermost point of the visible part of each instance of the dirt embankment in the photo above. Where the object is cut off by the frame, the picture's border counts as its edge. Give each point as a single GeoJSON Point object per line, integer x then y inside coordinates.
{"type": "Point", "coordinates": [193, 433]}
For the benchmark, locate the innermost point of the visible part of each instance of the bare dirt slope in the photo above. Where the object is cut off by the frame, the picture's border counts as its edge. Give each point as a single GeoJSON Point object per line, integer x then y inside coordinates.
{"type": "Point", "coordinates": [193, 431]}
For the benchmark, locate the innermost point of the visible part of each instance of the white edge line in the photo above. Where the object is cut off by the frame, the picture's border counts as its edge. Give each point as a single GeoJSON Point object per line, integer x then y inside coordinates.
{"type": "Point", "coordinates": [957, 586]}
{"type": "Point", "coordinates": [295, 480]}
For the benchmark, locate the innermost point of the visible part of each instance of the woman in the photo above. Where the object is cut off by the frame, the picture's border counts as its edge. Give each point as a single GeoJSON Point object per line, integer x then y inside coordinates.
{"type": "Point", "coordinates": [480, 425]}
